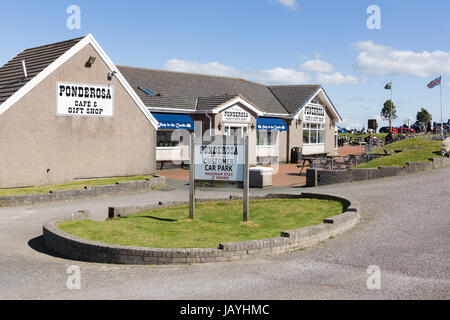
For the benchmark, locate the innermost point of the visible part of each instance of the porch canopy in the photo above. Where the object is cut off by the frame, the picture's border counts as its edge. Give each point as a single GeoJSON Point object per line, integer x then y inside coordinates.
{"type": "Point", "coordinates": [271, 124]}
{"type": "Point", "coordinates": [171, 121]}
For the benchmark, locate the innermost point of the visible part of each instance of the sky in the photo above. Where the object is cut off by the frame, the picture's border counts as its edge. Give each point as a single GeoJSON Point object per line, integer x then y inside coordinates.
{"type": "Point", "coordinates": [273, 42]}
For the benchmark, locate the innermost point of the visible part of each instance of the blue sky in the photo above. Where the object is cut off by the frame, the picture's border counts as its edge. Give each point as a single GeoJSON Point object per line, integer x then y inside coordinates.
{"type": "Point", "coordinates": [269, 41]}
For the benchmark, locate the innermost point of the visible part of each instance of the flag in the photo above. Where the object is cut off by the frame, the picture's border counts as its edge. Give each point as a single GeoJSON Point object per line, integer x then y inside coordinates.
{"type": "Point", "coordinates": [388, 86]}
{"type": "Point", "coordinates": [434, 83]}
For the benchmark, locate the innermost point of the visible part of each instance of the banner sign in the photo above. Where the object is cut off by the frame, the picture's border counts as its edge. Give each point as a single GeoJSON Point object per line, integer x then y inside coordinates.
{"type": "Point", "coordinates": [235, 114]}
{"type": "Point", "coordinates": [84, 100]}
{"type": "Point", "coordinates": [215, 162]}
{"type": "Point", "coordinates": [314, 114]}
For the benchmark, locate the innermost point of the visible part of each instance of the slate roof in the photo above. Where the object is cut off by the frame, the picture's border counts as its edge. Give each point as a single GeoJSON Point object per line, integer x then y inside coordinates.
{"type": "Point", "coordinates": [294, 97]}
{"type": "Point", "coordinates": [36, 60]}
{"type": "Point", "coordinates": [209, 103]}
{"type": "Point", "coordinates": [176, 90]}
{"type": "Point", "coordinates": [181, 90]}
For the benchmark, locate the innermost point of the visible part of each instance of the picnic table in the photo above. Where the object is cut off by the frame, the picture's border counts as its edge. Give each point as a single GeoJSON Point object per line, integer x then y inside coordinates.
{"type": "Point", "coordinates": [323, 162]}
{"type": "Point", "coordinates": [305, 159]}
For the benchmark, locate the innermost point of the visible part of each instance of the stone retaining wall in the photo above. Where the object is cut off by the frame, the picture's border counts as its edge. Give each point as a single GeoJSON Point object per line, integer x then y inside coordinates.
{"type": "Point", "coordinates": [87, 192]}
{"type": "Point", "coordinates": [318, 177]}
{"type": "Point", "coordinates": [71, 247]}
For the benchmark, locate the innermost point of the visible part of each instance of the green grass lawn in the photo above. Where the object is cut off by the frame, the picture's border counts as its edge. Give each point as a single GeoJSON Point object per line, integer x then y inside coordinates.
{"type": "Point", "coordinates": [215, 223]}
{"type": "Point", "coordinates": [70, 186]}
{"type": "Point", "coordinates": [414, 150]}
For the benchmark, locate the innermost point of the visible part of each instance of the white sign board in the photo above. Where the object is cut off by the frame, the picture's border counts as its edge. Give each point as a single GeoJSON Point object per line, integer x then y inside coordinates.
{"type": "Point", "coordinates": [214, 162]}
{"type": "Point", "coordinates": [235, 114]}
{"type": "Point", "coordinates": [84, 100]}
{"type": "Point", "coordinates": [314, 114]}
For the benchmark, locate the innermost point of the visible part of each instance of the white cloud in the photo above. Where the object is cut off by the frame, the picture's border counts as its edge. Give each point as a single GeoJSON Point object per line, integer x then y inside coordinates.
{"type": "Point", "coordinates": [379, 59]}
{"type": "Point", "coordinates": [282, 76]}
{"type": "Point", "coordinates": [291, 4]}
{"type": "Point", "coordinates": [317, 66]}
{"type": "Point", "coordinates": [214, 68]}
{"type": "Point", "coordinates": [270, 76]}
{"type": "Point", "coordinates": [336, 78]}
{"type": "Point", "coordinates": [317, 55]}
{"type": "Point", "coordinates": [276, 75]}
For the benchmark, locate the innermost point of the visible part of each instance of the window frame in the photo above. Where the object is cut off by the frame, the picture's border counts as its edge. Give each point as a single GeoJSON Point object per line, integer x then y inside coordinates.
{"type": "Point", "coordinates": [268, 133]}
{"type": "Point", "coordinates": [314, 129]}
{"type": "Point", "coordinates": [171, 147]}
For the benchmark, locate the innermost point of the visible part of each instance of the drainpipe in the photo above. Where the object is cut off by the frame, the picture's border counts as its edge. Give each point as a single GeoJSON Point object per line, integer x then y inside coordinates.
{"type": "Point", "coordinates": [210, 123]}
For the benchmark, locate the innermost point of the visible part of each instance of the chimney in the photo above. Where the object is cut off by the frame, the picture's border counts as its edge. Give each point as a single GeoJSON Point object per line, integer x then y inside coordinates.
{"type": "Point", "coordinates": [24, 67]}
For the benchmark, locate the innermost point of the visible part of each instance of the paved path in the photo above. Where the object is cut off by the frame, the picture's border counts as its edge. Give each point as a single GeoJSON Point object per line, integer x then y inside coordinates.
{"type": "Point", "coordinates": [405, 231]}
{"type": "Point", "coordinates": [285, 175]}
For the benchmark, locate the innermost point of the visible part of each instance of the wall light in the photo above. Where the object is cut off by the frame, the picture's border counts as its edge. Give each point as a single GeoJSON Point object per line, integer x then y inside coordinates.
{"type": "Point", "coordinates": [219, 126]}
{"type": "Point", "coordinates": [111, 75]}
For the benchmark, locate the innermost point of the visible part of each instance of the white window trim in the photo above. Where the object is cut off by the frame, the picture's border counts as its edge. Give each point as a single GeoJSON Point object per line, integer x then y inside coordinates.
{"type": "Point", "coordinates": [329, 105]}
{"type": "Point", "coordinates": [324, 131]}
{"type": "Point", "coordinates": [238, 100]}
{"type": "Point", "coordinates": [168, 148]}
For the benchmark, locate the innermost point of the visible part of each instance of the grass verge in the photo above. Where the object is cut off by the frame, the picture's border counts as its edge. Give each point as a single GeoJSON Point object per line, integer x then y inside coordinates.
{"type": "Point", "coordinates": [413, 150]}
{"type": "Point", "coordinates": [70, 186]}
{"type": "Point", "coordinates": [215, 223]}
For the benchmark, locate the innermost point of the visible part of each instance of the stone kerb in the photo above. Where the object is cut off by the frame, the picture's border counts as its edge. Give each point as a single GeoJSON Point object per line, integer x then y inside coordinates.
{"type": "Point", "coordinates": [87, 192]}
{"type": "Point", "coordinates": [72, 247]}
{"type": "Point", "coordinates": [320, 177]}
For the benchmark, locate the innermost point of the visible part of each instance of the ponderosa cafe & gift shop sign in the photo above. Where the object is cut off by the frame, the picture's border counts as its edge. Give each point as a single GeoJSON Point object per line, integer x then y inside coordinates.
{"type": "Point", "coordinates": [85, 100]}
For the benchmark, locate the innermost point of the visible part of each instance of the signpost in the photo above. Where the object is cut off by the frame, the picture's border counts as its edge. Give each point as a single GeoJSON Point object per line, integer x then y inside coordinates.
{"type": "Point", "coordinates": [225, 159]}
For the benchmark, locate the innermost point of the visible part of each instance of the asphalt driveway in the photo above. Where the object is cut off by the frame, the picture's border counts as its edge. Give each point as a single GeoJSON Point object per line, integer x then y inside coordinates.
{"type": "Point", "coordinates": [405, 231]}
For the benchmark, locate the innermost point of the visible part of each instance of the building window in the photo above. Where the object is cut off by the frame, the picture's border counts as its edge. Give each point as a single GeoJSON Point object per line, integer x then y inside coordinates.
{"type": "Point", "coordinates": [313, 133]}
{"type": "Point", "coordinates": [167, 139]}
{"type": "Point", "coordinates": [266, 138]}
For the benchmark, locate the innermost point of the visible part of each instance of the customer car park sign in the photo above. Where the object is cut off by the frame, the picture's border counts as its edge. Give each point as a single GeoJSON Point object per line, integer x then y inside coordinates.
{"type": "Point", "coordinates": [84, 100]}
{"type": "Point", "coordinates": [219, 160]}
{"type": "Point", "coordinates": [215, 162]}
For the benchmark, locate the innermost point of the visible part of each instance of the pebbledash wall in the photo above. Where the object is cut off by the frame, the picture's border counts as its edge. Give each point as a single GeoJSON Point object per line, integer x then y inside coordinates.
{"type": "Point", "coordinates": [40, 148]}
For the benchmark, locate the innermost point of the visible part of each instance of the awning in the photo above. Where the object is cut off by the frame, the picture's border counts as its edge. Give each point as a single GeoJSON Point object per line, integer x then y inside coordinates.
{"type": "Point", "coordinates": [170, 121]}
{"type": "Point", "coordinates": [271, 124]}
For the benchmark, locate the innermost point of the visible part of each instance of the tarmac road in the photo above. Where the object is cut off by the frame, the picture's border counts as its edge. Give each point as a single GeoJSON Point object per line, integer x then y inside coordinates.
{"type": "Point", "coordinates": [405, 231]}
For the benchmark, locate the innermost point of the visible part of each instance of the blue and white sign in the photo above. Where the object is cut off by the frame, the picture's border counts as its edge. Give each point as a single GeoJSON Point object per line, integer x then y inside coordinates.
{"type": "Point", "coordinates": [271, 124]}
{"type": "Point", "coordinates": [167, 121]}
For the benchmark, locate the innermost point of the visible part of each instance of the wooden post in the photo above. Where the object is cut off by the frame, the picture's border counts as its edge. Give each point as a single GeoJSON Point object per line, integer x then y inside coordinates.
{"type": "Point", "coordinates": [246, 178]}
{"type": "Point", "coordinates": [192, 179]}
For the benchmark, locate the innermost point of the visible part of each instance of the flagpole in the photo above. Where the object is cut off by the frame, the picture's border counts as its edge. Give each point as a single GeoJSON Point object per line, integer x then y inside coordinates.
{"type": "Point", "coordinates": [392, 85]}
{"type": "Point", "coordinates": [442, 110]}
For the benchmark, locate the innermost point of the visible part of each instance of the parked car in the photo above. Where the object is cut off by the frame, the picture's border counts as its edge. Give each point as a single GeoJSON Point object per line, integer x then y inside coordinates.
{"type": "Point", "coordinates": [387, 129]}
{"type": "Point", "coordinates": [406, 130]}
{"type": "Point", "coordinates": [416, 128]}
{"type": "Point", "coordinates": [437, 127]}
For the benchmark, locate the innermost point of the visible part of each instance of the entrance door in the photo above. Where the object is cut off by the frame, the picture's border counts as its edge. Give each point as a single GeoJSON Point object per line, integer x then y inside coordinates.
{"type": "Point", "coordinates": [236, 130]}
